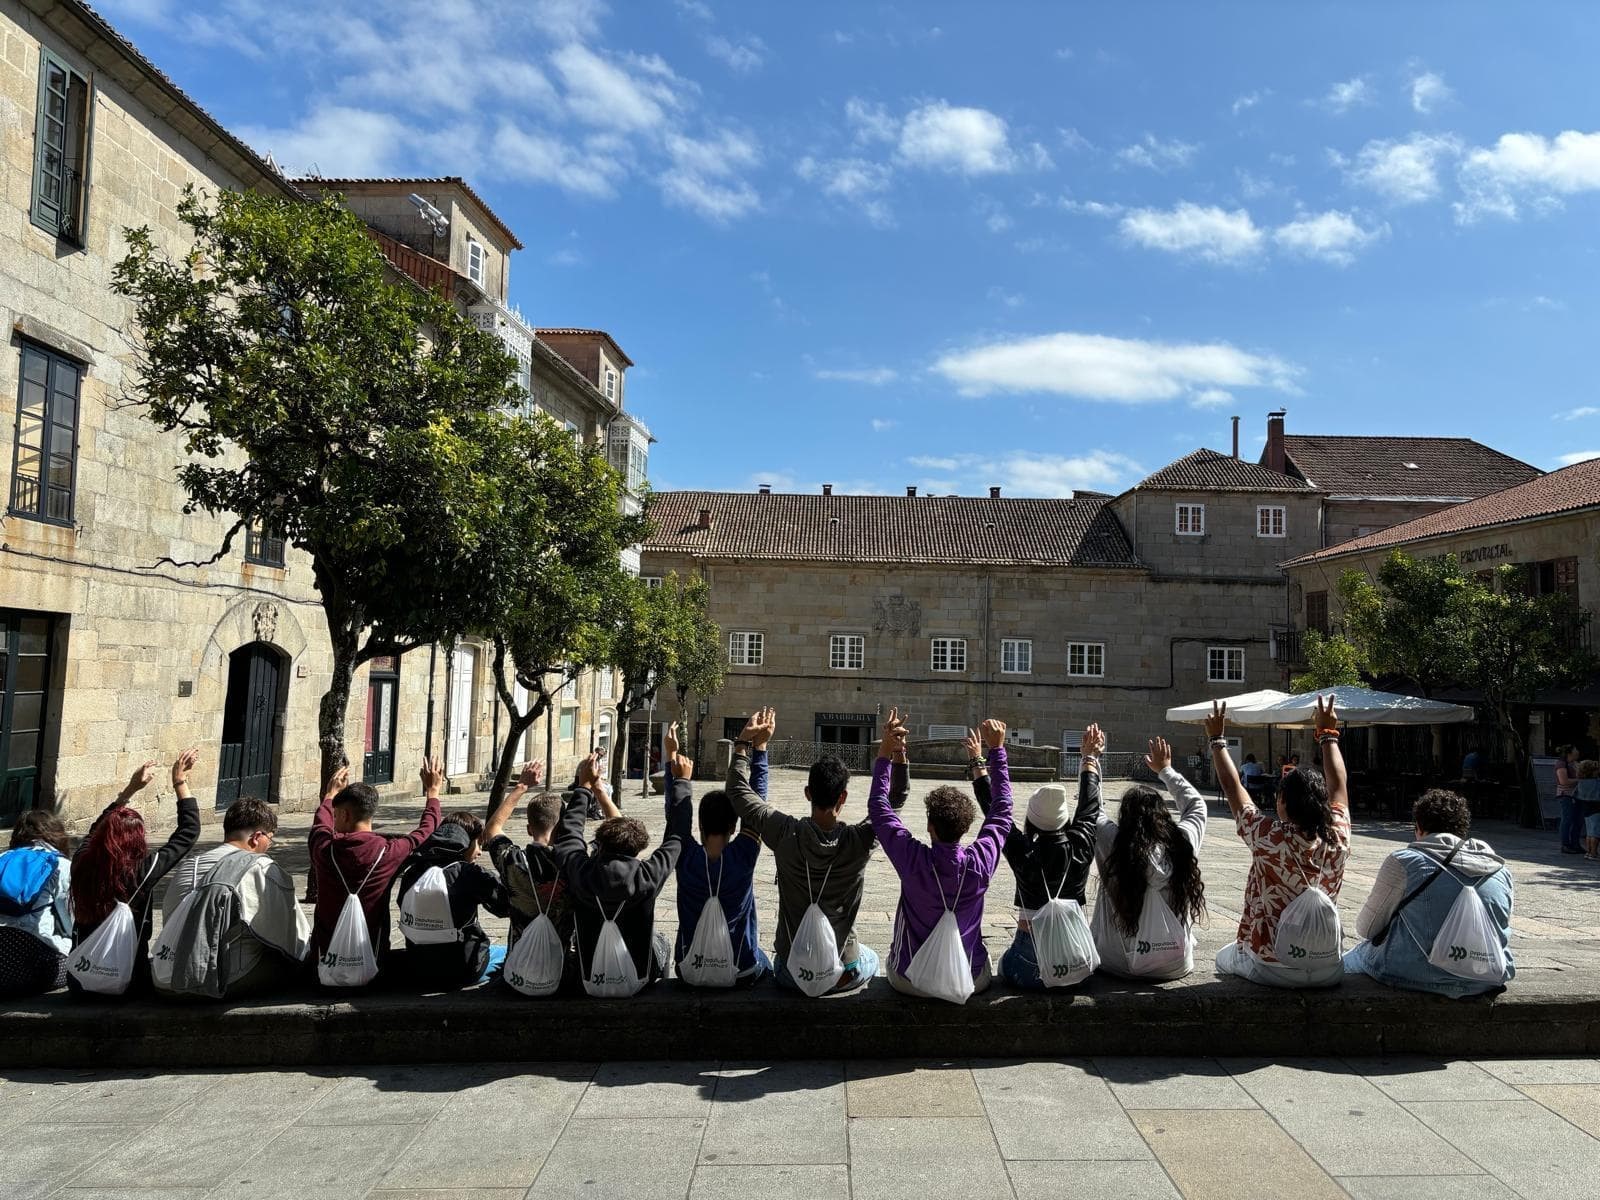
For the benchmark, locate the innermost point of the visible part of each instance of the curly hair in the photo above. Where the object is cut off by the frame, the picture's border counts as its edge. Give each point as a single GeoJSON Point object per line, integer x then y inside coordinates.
{"type": "Point", "coordinates": [36, 825]}
{"type": "Point", "coordinates": [1144, 826]}
{"type": "Point", "coordinates": [951, 813]}
{"type": "Point", "coordinates": [106, 868]}
{"type": "Point", "coordinates": [1439, 811]}
{"type": "Point", "coordinates": [621, 835]}
{"type": "Point", "coordinates": [1589, 768]}
{"type": "Point", "coordinates": [1305, 800]}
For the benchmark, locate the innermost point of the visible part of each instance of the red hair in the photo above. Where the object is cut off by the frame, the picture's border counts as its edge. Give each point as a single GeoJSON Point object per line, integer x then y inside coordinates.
{"type": "Point", "coordinates": [105, 870]}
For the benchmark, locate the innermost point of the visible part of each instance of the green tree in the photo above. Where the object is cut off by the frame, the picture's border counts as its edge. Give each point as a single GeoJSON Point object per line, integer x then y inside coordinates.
{"type": "Point", "coordinates": [1331, 661]}
{"type": "Point", "coordinates": [322, 399]}
{"type": "Point", "coordinates": [1411, 620]}
{"type": "Point", "coordinates": [663, 633]}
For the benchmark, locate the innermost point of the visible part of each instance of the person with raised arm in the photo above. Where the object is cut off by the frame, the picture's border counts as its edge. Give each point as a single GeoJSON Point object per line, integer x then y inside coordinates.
{"type": "Point", "coordinates": [531, 873]}
{"type": "Point", "coordinates": [1297, 858]}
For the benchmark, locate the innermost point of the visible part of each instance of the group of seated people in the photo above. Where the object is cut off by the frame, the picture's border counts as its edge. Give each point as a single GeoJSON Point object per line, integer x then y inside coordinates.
{"type": "Point", "coordinates": [583, 915]}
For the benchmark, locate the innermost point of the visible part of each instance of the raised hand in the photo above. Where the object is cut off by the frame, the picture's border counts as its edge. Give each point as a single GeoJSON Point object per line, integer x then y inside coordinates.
{"type": "Point", "coordinates": [894, 736]}
{"type": "Point", "coordinates": [994, 733]}
{"type": "Point", "coordinates": [1094, 742]}
{"type": "Point", "coordinates": [336, 781]}
{"type": "Point", "coordinates": [973, 745]}
{"type": "Point", "coordinates": [432, 774]}
{"type": "Point", "coordinates": [183, 765]}
{"type": "Point", "coordinates": [140, 779]}
{"type": "Point", "coordinates": [670, 747]}
{"type": "Point", "coordinates": [532, 775]}
{"type": "Point", "coordinates": [1217, 722]}
{"type": "Point", "coordinates": [1324, 719]}
{"type": "Point", "coordinates": [589, 764]}
{"type": "Point", "coordinates": [759, 727]}
{"type": "Point", "coordinates": [1159, 757]}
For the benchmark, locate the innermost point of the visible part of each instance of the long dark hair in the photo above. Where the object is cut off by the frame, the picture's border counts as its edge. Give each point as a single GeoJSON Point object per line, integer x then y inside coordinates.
{"type": "Point", "coordinates": [1143, 827]}
{"type": "Point", "coordinates": [1305, 803]}
{"type": "Point", "coordinates": [107, 866]}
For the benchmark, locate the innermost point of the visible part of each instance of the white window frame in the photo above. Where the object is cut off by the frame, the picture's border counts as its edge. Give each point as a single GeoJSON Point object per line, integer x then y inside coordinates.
{"type": "Point", "coordinates": [1021, 650]}
{"type": "Point", "coordinates": [952, 648]}
{"type": "Point", "coordinates": [946, 733]}
{"type": "Point", "coordinates": [1229, 655]}
{"type": "Point", "coordinates": [843, 647]}
{"type": "Point", "coordinates": [477, 261]}
{"type": "Point", "coordinates": [608, 684]}
{"type": "Point", "coordinates": [650, 581]}
{"type": "Point", "coordinates": [1264, 521]}
{"type": "Point", "coordinates": [746, 648]}
{"type": "Point", "coordinates": [1189, 520]}
{"type": "Point", "coordinates": [569, 691]}
{"type": "Point", "coordinates": [1090, 651]}
{"type": "Point", "coordinates": [611, 384]}
{"type": "Point", "coordinates": [1019, 737]}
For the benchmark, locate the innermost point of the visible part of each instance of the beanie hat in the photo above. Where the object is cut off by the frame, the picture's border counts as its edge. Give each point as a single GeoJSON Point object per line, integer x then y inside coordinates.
{"type": "Point", "coordinates": [1048, 807]}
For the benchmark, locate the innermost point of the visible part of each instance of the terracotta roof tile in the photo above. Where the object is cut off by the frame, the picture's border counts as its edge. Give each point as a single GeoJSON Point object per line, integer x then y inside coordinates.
{"type": "Point", "coordinates": [1444, 467]}
{"type": "Point", "coordinates": [1208, 471]}
{"type": "Point", "coordinates": [1567, 490]}
{"type": "Point", "coordinates": [899, 529]}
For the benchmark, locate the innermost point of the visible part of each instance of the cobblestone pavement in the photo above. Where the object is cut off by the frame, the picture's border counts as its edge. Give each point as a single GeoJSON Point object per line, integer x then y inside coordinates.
{"type": "Point", "coordinates": [1555, 929]}
{"type": "Point", "coordinates": [1230, 1129]}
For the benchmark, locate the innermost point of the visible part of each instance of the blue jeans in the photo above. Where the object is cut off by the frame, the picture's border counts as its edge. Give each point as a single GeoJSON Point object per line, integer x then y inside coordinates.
{"type": "Point", "coordinates": [855, 974]}
{"type": "Point", "coordinates": [1019, 965]}
{"type": "Point", "coordinates": [497, 958]}
{"type": "Point", "coordinates": [1571, 823]}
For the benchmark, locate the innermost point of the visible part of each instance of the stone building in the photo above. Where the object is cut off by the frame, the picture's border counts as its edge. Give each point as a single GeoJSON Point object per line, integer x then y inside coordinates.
{"type": "Point", "coordinates": [1547, 527]}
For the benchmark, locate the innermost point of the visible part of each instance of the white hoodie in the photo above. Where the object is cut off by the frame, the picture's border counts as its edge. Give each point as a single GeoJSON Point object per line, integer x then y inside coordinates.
{"type": "Point", "coordinates": [1475, 860]}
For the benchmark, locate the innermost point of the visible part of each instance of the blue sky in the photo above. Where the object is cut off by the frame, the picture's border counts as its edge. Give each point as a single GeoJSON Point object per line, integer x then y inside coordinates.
{"type": "Point", "coordinates": [1035, 245]}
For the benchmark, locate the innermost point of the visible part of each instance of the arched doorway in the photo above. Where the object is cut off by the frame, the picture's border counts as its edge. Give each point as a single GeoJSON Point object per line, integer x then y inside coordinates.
{"type": "Point", "coordinates": [251, 722]}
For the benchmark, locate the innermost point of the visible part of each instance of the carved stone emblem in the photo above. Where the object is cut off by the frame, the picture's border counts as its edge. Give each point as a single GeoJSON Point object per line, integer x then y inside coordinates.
{"type": "Point", "coordinates": [897, 615]}
{"type": "Point", "coordinates": [265, 619]}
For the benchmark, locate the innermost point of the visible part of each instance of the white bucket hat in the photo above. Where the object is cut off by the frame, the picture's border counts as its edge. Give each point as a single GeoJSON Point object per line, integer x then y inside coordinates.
{"type": "Point", "coordinates": [1048, 807]}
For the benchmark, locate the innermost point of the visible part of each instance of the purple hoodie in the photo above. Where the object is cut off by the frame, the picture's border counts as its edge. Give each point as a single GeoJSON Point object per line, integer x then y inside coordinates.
{"type": "Point", "coordinates": [970, 867]}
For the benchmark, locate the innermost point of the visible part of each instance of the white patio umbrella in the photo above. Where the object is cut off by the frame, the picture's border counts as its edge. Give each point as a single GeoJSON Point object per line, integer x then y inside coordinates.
{"type": "Point", "coordinates": [1353, 706]}
{"type": "Point", "coordinates": [1195, 714]}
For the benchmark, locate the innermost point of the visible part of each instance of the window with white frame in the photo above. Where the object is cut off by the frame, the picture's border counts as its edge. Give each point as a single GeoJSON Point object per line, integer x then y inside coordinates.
{"type": "Point", "coordinates": [611, 384]}
{"type": "Point", "coordinates": [1225, 664]}
{"type": "Point", "coordinates": [569, 691]}
{"type": "Point", "coordinates": [745, 649]}
{"type": "Point", "coordinates": [608, 684]}
{"type": "Point", "coordinates": [1270, 521]}
{"type": "Point", "coordinates": [476, 262]}
{"type": "Point", "coordinates": [949, 654]}
{"type": "Point", "coordinates": [846, 651]}
{"type": "Point", "coordinates": [1019, 737]}
{"type": "Point", "coordinates": [1190, 519]}
{"type": "Point", "coordinates": [1016, 656]}
{"type": "Point", "coordinates": [1086, 659]}
{"type": "Point", "coordinates": [946, 733]}
{"type": "Point", "coordinates": [650, 581]}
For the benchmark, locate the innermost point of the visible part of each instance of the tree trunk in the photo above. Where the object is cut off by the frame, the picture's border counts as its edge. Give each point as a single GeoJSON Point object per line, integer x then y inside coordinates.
{"type": "Point", "coordinates": [344, 635]}
{"type": "Point", "coordinates": [516, 727]}
{"type": "Point", "coordinates": [627, 704]}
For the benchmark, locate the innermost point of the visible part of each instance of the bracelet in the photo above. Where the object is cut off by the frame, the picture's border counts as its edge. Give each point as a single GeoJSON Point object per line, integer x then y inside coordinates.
{"type": "Point", "coordinates": [975, 763]}
{"type": "Point", "coordinates": [1326, 736]}
{"type": "Point", "coordinates": [1219, 743]}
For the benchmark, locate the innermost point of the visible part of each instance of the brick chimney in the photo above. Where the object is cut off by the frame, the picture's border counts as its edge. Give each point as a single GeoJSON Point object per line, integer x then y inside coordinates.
{"type": "Point", "coordinates": [827, 489]}
{"type": "Point", "coordinates": [994, 493]}
{"type": "Point", "coordinates": [765, 489]}
{"type": "Point", "coordinates": [1275, 458]}
{"type": "Point", "coordinates": [912, 490]}
{"type": "Point", "coordinates": [705, 519]}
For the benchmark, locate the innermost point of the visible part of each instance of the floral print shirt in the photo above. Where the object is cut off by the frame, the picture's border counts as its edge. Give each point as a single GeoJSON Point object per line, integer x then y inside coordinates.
{"type": "Point", "coordinates": [1282, 865]}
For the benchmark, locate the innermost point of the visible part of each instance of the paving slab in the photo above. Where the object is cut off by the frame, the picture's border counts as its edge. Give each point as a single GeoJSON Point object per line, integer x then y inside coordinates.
{"type": "Point", "coordinates": [57, 1152]}
{"type": "Point", "coordinates": [1056, 1110]}
{"type": "Point", "coordinates": [1412, 1187]}
{"type": "Point", "coordinates": [913, 1158]}
{"type": "Point", "coordinates": [780, 1114]}
{"type": "Point", "coordinates": [305, 1162]}
{"type": "Point", "coordinates": [621, 1159]}
{"type": "Point", "coordinates": [1100, 1180]}
{"type": "Point", "coordinates": [1232, 1156]}
{"type": "Point", "coordinates": [1415, 1078]}
{"type": "Point", "coordinates": [77, 1193]}
{"type": "Point", "coordinates": [1530, 1149]}
{"type": "Point", "coordinates": [1518, 1071]}
{"type": "Point", "coordinates": [1172, 1083]}
{"type": "Point", "coordinates": [386, 1096]}
{"type": "Point", "coordinates": [650, 1089]}
{"type": "Point", "coordinates": [1577, 1102]}
{"type": "Point", "coordinates": [795, 1182]}
{"type": "Point", "coordinates": [897, 1089]}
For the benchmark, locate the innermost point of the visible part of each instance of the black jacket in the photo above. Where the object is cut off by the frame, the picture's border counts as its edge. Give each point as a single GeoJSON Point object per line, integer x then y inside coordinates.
{"type": "Point", "coordinates": [453, 964]}
{"type": "Point", "coordinates": [1051, 862]}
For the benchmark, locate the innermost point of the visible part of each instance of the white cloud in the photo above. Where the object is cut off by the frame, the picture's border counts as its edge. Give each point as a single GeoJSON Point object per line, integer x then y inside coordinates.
{"type": "Point", "coordinates": [1250, 100]}
{"type": "Point", "coordinates": [1075, 141]}
{"type": "Point", "coordinates": [705, 174]}
{"type": "Point", "coordinates": [882, 424]}
{"type": "Point", "coordinates": [1154, 154]}
{"type": "Point", "coordinates": [1577, 456]}
{"type": "Point", "coordinates": [1211, 397]}
{"type": "Point", "coordinates": [1342, 97]}
{"type": "Point", "coordinates": [1027, 473]}
{"type": "Point", "coordinates": [929, 463]}
{"type": "Point", "coordinates": [543, 158]}
{"type": "Point", "coordinates": [605, 94]}
{"type": "Point", "coordinates": [1331, 236]}
{"type": "Point", "coordinates": [744, 56]}
{"type": "Point", "coordinates": [1528, 168]}
{"type": "Point", "coordinates": [871, 376]}
{"type": "Point", "coordinates": [965, 141]}
{"type": "Point", "coordinates": [1577, 414]}
{"type": "Point", "coordinates": [856, 181]}
{"type": "Point", "coordinates": [336, 140]}
{"type": "Point", "coordinates": [1098, 367]}
{"type": "Point", "coordinates": [778, 481]}
{"type": "Point", "coordinates": [1429, 91]}
{"type": "Point", "coordinates": [870, 121]}
{"type": "Point", "coordinates": [696, 9]}
{"type": "Point", "coordinates": [1209, 233]}
{"type": "Point", "coordinates": [1406, 172]}
{"type": "Point", "coordinates": [1090, 208]}
{"type": "Point", "coordinates": [1009, 299]}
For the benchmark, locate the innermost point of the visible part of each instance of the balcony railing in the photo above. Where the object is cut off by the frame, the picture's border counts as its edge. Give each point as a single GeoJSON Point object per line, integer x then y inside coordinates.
{"type": "Point", "coordinates": [1289, 645]}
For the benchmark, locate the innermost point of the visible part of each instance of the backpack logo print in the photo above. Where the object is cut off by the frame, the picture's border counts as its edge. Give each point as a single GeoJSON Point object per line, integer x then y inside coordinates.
{"type": "Point", "coordinates": [165, 953]}
{"type": "Point", "coordinates": [1457, 953]}
{"type": "Point", "coordinates": [807, 975]}
{"type": "Point", "coordinates": [329, 959]}
{"type": "Point", "coordinates": [83, 963]}
{"type": "Point", "coordinates": [699, 962]}
{"type": "Point", "coordinates": [1297, 951]}
{"type": "Point", "coordinates": [1143, 948]}
{"type": "Point", "coordinates": [1061, 970]}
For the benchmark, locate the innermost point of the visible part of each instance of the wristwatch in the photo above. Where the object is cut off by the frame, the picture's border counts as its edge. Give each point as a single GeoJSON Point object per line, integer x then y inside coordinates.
{"type": "Point", "coordinates": [745, 743]}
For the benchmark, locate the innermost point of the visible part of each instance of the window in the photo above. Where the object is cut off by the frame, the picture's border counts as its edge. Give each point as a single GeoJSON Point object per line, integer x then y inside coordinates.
{"type": "Point", "coordinates": [1225, 664]}
{"type": "Point", "coordinates": [25, 699]}
{"type": "Point", "coordinates": [61, 150]}
{"type": "Point", "coordinates": [1016, 656]}
{"type": "Point", "coordinates": [744, 649]}
{"type": "Point", "coordinates": [567, 730]}
{"type": "Point", "coordinates": [577, 434]}
{"type": "Point", "coordinates": [1270, 520]}
{"type": "Point", "coordinates": [650, 581]}
{"type": "Point", "coordinates": [946, 733]}
{"type": "Point", "coordinates": [263, 546]}
{"type": "Point", "coordinates": [1317, 611]}
{"type": "Point", "coordinates": [608, 684]}
{"type": "Point", "coordinates": [1191, 519]}
{"type": "Point", "coordinates": [846, 651]}
{"type": "Point", "coordinates": [1086, 658]}
{"type": "Point", "coordinates": [476, 262]}
{"type": "Point", "coordinates": [611, 384]}
{"type": "Point", "coordinates": [569, 691]}
{"type": "Point", "coordinates": [949, 654]}
{"type": "Point", "coordinates": [638, 465]}
{"type": "Point", "coordinates": [1019, 737]}
{"type": "Point", "coordinates": [45, 458]}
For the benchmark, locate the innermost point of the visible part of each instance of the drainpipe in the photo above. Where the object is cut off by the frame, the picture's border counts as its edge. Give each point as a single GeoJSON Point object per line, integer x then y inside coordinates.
{"type": "Point", "coordinates": [449, 698]}
{"type": "Point", "coordinates": [433, 659]}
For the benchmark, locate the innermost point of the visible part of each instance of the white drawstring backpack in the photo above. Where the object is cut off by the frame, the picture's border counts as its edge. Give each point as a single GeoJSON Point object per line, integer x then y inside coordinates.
{"type": "Point", "coordinates": [534, 965]}
{"type": "Point", "coordinates": [1162, 939]}
{"type": "Point", "coordinates": [1468, 945]}
{"type": "Point", "coordinates": [1309, 933]}
{"type": "Point", "coordinates": [103, 962]}
{"type": "Point", "coordinates": [709, 962]}
{"type": "Point", "coordinates": [940, 968]}
{"type": "Point", "coordinates": [1062, 943]}
{"type": "Point", "coordinates": [611, 973]}
{"type": "Point", "coordinates": [425, 916]}
{"type": "Point", "coordinates": [813, 960]}
{"type": "Point", "coordinates": [349, 960]}
{"type": "Point", "coordinates": [164, 953]}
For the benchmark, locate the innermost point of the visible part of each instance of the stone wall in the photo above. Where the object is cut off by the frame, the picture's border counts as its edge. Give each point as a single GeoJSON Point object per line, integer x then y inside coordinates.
{"type": "Point", "coordinates": [1346, 519]}
{"type": "Point", "coordinates": [1230, 544]}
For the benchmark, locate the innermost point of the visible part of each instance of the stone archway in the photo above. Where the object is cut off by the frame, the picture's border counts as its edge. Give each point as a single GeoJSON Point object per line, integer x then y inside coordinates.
{"type": "Point", "coordinates": [246, 672]}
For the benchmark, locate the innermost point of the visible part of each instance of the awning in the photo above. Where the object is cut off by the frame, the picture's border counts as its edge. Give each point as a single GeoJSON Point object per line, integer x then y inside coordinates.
{"type": "Point", "coordinates": [1353, 706]}
{"type": "Point", "coordinates": [1195, 714]}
